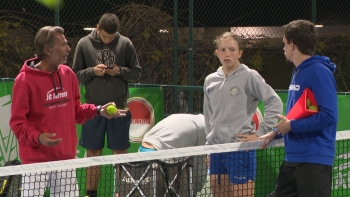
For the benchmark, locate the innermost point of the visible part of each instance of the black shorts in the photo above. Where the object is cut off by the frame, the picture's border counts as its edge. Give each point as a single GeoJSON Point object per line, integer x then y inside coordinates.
{"type": "Point", "coordinates": [304, 180]}
{"type": "Point", "coordinates": [117, 129]}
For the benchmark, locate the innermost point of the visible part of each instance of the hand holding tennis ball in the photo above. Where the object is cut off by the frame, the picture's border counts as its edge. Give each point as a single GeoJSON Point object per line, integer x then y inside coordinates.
{"type": "Point", "coordinates": [109, 111]}
{"type": "Point", "coordinates": [112, 110]}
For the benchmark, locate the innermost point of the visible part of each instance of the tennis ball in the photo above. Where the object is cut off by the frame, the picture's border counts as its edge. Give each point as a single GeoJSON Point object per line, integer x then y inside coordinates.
{"type": "Point", "coordinates": [308, 103]}
{"type": "Point", "coordinates": [313, 108]}
{"type": "Point", "coordinates": [51, 4]}
{"type": "Point", "coordinates": [111, 110]}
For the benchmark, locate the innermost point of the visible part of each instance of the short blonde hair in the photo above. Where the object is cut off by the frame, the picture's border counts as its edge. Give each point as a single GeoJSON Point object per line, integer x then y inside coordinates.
{"type": "Point", "coordinates": [227, 36]}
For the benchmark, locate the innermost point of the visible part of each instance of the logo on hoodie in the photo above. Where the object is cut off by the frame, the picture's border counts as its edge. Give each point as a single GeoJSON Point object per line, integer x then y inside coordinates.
{"type": "Point", "coordinates": [294, 87]}
{"type": "Point", "coordinates": [58, 98]}
{"type": "Point", "coordinates": [106, 57]}
{"type": "Point", "coordinates": [234, 91]}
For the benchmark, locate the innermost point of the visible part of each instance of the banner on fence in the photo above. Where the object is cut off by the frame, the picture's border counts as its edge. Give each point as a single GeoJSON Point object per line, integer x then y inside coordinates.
{"type": "Point", "coordinates": [150, 100]}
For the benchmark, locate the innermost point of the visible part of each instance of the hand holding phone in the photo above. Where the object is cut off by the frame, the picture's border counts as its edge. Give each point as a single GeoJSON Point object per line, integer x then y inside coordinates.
{"type": "Point", "coordinates": [113, 70]}
{"type": "Point", "coordinates": [100, 69]}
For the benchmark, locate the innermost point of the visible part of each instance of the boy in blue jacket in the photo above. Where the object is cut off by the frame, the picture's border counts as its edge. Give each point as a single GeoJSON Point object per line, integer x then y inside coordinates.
{"type": "Point", "coordinates": [309, 142]}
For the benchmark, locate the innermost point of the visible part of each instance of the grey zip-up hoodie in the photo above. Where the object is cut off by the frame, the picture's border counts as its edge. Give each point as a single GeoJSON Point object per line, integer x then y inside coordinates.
{"type": "Point", "coordinates": [230, 102]}
{"type": "Point", "coordinates": [91, 51]}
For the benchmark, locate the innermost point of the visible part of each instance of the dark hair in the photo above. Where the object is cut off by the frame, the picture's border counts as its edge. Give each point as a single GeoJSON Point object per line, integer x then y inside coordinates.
{"type": "Point", "coordinates": [45, 37]}
{"type": "Point", "coordinates": [303, 34]}
{"type": "Point", "coordinates": [227, 36]}
{"type": "Point", "coordinates": [109, 23]}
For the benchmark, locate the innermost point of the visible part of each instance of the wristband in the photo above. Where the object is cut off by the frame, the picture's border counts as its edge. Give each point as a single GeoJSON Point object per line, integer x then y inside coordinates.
{"type": "Point", "coordinates": [99, 110]}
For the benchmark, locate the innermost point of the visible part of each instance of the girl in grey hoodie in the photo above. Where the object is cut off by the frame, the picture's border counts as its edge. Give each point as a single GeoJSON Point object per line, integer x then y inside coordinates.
{"type": "Point", "coordinates": [231, 96]}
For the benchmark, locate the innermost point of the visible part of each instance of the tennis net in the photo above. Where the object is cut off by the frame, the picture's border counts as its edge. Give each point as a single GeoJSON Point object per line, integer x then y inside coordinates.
{"type": "Point", "coordinates": [176, 172]}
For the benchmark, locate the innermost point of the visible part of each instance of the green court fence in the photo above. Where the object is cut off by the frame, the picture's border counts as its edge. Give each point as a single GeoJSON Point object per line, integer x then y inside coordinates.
{"type": "Point", "coordinates": [174, 39]}
{"type": "Point", "coordinates": [269, 160]}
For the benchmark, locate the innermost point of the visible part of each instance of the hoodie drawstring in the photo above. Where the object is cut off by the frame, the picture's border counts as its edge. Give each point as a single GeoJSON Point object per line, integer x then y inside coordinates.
{"type": "Point", "coordinates": [103, 59]}
{"type": "Point", "coordinates": [54, 82]}
{"type": "Point", "coordinates": [59, 78]}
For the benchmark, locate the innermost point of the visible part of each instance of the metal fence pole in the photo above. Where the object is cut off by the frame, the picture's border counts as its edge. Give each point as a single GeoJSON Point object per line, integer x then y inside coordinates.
{"type": "Point", "coordinates": [313, 16]}
{"type": "Point", "coordinates": [57, 13]}
{"type": "Point", "coordinates": [190, 62]}
{"type": "Point", "coordinates": [175, 53]}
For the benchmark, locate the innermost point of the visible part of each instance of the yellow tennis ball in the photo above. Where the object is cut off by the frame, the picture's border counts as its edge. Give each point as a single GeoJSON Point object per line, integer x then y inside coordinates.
{"type": "Point", "coordinates": [111, 110]}
{"type": "Point", "coordinates": [313, 108]}
{"type": "Point", "coordinates": [308, 103]}
{"type": "Point", "coordinates": [51, 4]}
